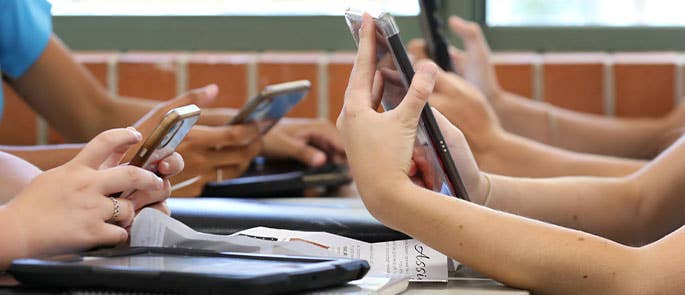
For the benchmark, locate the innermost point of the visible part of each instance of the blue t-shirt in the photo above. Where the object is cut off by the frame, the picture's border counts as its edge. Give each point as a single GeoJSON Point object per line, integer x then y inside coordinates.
{"type": "Point", "coordinates": [25, 28]}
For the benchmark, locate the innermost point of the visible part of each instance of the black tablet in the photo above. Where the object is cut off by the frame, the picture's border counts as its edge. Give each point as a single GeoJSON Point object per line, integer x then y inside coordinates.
{"type": "Point", "coordinates": [184, 271]}
{"type": "Point", "coordinates": [282, 178]}
{"type": "Point", "coordinates": [393, 62]}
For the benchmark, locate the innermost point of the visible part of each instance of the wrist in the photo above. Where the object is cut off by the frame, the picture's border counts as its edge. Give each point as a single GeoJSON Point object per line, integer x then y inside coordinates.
{"type": "Point", "coordinates": [490, 149]}
{"type": "Point", "coordinates": [13, 239]}
{"type": "Point", "coordinates": [377, 192]}
{"type": "Point", "coordinates": [499, 99]}
{"type": "Point", "coordinates": [481, 194]}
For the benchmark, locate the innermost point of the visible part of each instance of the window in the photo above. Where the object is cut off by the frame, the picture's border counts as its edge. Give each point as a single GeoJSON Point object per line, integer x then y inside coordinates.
{"type": "Point", "coordinates": [585, 13]}
{"type": "Point", "coordinates": [224, 7]}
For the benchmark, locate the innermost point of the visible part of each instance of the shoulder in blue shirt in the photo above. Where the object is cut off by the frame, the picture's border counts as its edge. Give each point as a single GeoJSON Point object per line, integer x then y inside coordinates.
{"type": "Point", "coordinates": [25, 28]}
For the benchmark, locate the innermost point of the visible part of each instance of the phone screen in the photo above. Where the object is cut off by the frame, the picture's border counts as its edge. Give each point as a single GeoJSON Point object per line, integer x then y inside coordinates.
{"type": "Point", "coordinates": [396, 70]}
{"type": "Point", "coordinates": [269, 111]}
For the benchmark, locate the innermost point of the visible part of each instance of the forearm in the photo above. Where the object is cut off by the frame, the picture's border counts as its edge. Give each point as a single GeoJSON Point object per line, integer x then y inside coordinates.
{"type": "Point", "coordinates": [602, 206]}
{"type": "Point", "coordinates": [14, 176]}
{"type": "Point", "coordinates": [516, 251]}
{"type": "Point", "coordinates": [634, 138]}
{"type": "Point", "coordinates": [635, 209]}
{"type": "Point", "coordinates": [512, 155]}
{"type": "Point", "coordinates": [45, 156]}
{"type": "Point", "coordinates": [12, 241]}
{"type": "Point", "coordinates": [661, 190]}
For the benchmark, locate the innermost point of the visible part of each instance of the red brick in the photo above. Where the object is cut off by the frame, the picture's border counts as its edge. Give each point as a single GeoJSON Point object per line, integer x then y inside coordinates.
{"type": "Point", "coordinates": [575, 81]}
{"type": "Point", "coordinates": [339, 68]}
{"type": "Point", "coordinates": [276, 68]}
{"type": "Point", "coordinates": [226, 70]}
{"type": "Point", "coordinates": [644, 84]}
{"type": "Point", "coordinates": [19, 122]}
{"type": "Point", "coordinates": [147, 75]}
{"type": "Point", "coordinates": [515, 72]}
{"type": "Point", "coordinates": [96, 63]}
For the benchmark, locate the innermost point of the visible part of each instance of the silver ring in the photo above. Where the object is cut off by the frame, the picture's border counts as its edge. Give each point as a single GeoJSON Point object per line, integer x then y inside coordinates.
{"type": "Point", "coordinates": [117, 210]}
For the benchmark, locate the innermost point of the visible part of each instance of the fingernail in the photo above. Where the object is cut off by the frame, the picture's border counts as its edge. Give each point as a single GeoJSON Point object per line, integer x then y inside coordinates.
{"type": "Point", "coordinates": [429, 69]}
{"type": "Point", "coordinates": [318, 159]}
{"type": "Point", "coordinates": [212, 90]}
{"type": "Point", "coordinates": [160, 183]}
{"type": "Point", "coordinates": [135, 132]}
{"type": "Point", "coordinates": [164, 166]}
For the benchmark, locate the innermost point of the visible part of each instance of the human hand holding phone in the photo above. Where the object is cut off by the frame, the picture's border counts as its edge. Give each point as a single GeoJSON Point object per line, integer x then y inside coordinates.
{"type": "Point", "coordinates": [164, 139]}
{"type": "Point", "coordinates": [67, 208]}
{"type": "Point", "coordinates": [397, 72]}
{"type": "Point", "coordinates": [206, 150]}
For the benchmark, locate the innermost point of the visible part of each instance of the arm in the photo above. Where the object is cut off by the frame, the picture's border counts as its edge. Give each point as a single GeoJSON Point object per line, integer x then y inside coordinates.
{"type": "Point", "coordinates": [64, 93]}
{"type": "Point", "coordinates": [634, 138]}
{"type": "Point", "coordinates": [68, 84]}
{"type": "Point", "coordinates": [498, 151]}
{"type": "Point", "coordinates": [520, 252]}
{"type": "Point", "coordinates": [635, 209]}
{"type": "Point", "coordinates": [68, 209]}
{"type": "Point", "coordinates": [44, 156]}
{"type": "Point", "coordinates": [14, 176]}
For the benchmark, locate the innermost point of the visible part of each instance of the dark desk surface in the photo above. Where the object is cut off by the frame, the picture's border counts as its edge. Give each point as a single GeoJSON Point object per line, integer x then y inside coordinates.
{"type": "Point", "coordinates": [318, 212]}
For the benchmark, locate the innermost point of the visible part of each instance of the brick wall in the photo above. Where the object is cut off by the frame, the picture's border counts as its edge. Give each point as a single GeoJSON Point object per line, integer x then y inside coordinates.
{"type": "Point", "coordinates": [620, 84]}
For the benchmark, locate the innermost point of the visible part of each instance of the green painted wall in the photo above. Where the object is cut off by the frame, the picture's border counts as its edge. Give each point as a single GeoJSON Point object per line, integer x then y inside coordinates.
{"type": "Point", "coordinates": [330, 33]}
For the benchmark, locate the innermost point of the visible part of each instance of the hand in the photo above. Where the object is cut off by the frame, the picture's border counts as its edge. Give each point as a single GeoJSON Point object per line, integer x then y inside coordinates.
{"type": "Point", "coordinates": [474, 62]}
{"type": "Point", "coordinates": [381, 157]}
{"type": "Point", "coordinates": [68, 209]}
{"type": "Point", "coordinates": [467, 108]}
{"type": "Point", "coordinates": [310, 141]}
{"type": "Point", "coordinates": [207, 150]}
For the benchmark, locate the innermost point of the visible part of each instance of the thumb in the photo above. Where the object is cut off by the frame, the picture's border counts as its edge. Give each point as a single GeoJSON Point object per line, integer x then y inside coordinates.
{"type": "Point", "coordinates": [419, 91]}
{"type": "Point", "coordinates": [459, 59]}
{"type": "Point", "coordinates": [201, 97]}
{"type": "Point", "coordinates": [417, 48]}
{"type": "Point", "coordinates": [311, 156]}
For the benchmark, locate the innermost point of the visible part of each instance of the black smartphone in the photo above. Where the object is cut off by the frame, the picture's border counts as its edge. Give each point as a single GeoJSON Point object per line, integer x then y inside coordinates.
{"type": "Point", "coordinates": [430, 149]}
{"type": "Point", "coordinates": [270, 105]}
{"type": "Point", "coordinates": [432, 25]}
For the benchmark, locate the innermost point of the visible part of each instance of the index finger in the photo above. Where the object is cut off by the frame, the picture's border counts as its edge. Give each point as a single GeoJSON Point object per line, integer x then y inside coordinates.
{"type": "Point", "coordinates": [364, 69]}
{"type": "Point", "coordinates": [105, 144]}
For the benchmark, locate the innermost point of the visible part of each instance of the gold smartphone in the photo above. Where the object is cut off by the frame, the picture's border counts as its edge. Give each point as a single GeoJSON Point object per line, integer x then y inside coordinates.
{"type": "Point", "coordinates": [270, 105]}
{"type": "Point", "coordinates": [164, 139]}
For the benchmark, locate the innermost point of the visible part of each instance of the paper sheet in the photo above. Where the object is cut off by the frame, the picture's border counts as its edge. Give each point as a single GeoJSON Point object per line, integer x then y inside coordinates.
{"type": "Point", "coordinates": [406, 257]}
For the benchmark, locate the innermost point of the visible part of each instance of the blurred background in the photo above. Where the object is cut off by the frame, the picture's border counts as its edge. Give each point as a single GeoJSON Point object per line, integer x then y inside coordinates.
{"type": "Point", "coordinates": [610, 57]}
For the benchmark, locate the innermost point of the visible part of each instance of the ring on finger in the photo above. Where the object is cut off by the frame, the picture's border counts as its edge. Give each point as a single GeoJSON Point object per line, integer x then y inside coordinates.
{"type": "Point", "coordinates": [117, 209]}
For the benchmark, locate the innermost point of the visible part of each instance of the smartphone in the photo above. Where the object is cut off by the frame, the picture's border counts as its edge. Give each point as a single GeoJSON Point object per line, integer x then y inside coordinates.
{"type": "Point", "coordinates": [432, 25]}
{"type": "Point", "coordinates": [270, 105]}
{"type": "Point", "coordinates": [430, 151]}
{"type": "Point", "coordinates": [164, 139]}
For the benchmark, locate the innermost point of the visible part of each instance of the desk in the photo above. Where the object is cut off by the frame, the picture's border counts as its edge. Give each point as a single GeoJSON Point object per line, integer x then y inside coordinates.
{"type": "Point", "coordinates": [463, 286]}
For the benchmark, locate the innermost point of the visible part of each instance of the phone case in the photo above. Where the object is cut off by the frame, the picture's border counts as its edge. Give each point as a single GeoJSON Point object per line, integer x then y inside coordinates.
{"type": "Point", "coordinates": [274, 102]}
{"type": "Point", "coordinates": [437, 46]}
{"type": "Point", "coordinates": [430, 146]}
{"type": "Point", "coordinates": [164, 140]}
